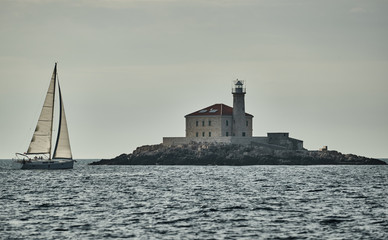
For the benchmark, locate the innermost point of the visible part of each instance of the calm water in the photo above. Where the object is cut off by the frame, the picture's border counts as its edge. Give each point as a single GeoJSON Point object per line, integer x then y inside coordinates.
{"type": "Point", "coordinates": [193, 202]}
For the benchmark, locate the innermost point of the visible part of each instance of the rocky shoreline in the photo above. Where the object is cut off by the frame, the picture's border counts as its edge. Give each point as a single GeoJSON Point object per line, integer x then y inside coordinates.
{"type": "Point", "coordinates": [232, 155]}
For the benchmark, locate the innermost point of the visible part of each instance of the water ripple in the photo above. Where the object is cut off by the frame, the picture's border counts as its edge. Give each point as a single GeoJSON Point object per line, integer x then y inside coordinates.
{"type": "Point", "coordinates": [193, 202]}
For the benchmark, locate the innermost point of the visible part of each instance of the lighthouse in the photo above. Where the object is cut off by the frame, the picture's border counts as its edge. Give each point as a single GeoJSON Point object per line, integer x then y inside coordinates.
{"type": "Point", "coordinates": [222, 124]}
{"type": "Point", "coordinates": [240, 124]}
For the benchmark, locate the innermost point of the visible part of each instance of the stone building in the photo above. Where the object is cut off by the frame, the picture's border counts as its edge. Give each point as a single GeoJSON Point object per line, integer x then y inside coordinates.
{"type": "Point", "coordinates": [220, 120]}
{"type": "Point", "coordinates": [220, 123]}
{"type": "Point", "coordinates": [216, 121]}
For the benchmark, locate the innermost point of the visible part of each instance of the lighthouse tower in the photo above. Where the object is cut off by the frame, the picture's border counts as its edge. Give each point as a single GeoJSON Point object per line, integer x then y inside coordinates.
{"type": "Point", "coordinates": [239, 128]}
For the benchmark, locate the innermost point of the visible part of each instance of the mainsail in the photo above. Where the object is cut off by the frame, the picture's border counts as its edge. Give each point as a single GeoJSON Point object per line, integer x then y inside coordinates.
{"type": "Point", "coordinates": [62, 149]}
{"type": "Point", "coordinates": [41, 139]}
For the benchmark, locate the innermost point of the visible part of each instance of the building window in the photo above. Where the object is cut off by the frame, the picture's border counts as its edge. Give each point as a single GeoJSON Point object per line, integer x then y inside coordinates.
{"type": "Point", "coordinates": [203, 123]}
{"type": "Point", "coordinates": [227, 123]}
{"type": "Point", "coordinates": [247, 123]}
{"type": "Point", "coordinates": [243, 134]}
{"type": "Point", "coordinates": [196, 134]}
{"type": "Point", "coordinates": [203, 134]}
{"type": "Point", "coordinates": [227, 134]}
{"type": "Point", "coordinates": [210, 123]}
{"type": "Point", "coordinates": [210, 134]}
{"type": "Point", "coordinates": [196, 123]}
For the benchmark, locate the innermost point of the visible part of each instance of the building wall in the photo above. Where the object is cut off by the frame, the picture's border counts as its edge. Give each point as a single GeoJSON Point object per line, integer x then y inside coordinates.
{"type": "Point", "coordinates": [249, 129]}
{"type": "Point", "coordinates": [203, 125]}
{"type": "Point", "coordinates": [279, 143]}
{"type": "Point", "coordinates": [283, 139]}
{"type": "Point", "coordinates": [226, 126]}
{"type": "Point", "coordinates": [173, 141]}
{"type": "Point", "coordinates": [221, 126]}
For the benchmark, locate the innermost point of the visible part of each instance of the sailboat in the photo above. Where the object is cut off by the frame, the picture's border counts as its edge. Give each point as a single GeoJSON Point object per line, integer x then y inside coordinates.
{"type": "Point", "coordinates": [38, 155]}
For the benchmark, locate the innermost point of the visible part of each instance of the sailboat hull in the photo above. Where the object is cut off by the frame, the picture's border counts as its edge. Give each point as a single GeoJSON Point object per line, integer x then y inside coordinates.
{"type": "Point", "coordinates": [49, 165]}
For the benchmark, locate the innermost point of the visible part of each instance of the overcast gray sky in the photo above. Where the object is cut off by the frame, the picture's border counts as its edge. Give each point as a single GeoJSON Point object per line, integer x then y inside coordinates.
{"type": "Point", "coordinates": [130, 69]}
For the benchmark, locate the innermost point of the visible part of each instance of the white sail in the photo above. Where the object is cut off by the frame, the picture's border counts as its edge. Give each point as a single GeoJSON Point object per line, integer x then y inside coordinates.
{"type": "Point", "coordinates": [41, 139]}
{"type": "Point", "coordinates": [62, 148]}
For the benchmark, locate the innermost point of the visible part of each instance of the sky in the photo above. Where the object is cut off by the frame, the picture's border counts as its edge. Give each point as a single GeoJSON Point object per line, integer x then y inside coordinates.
{"type": "Point", "coordinates": [130, 70]}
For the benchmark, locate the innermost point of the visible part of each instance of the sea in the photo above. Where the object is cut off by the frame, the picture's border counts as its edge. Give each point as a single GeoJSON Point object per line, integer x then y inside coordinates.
{"type": "Point", "coordinates": [194, 202]}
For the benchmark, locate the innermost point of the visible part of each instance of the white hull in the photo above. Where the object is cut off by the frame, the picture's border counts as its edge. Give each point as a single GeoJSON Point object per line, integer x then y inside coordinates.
{"type": "Point", "coordinates": [49, 165]}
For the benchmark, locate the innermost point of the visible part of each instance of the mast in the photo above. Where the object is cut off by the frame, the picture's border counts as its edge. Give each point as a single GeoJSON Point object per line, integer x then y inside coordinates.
{"type": "Point", "coordinates": [52, 114]}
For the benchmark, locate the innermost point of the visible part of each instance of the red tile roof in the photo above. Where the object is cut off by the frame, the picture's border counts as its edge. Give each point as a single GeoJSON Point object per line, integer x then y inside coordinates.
{"type": "Point", "coordinates": [216, 109]}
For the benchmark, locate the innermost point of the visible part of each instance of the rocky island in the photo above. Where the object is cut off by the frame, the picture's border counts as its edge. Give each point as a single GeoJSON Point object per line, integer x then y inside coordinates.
{"type": "Point", "coordinates": [232, 155]}
{"type": "Point", "coordinates": [222, 135]}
